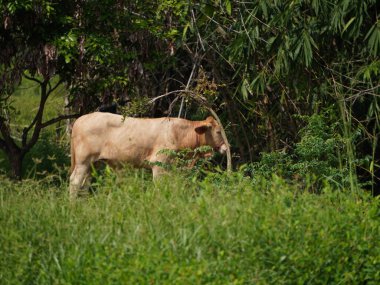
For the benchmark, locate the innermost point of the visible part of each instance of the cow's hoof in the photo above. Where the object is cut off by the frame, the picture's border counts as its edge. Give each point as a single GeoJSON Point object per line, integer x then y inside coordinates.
{"type": "Point", "coordinates": [76, 192]}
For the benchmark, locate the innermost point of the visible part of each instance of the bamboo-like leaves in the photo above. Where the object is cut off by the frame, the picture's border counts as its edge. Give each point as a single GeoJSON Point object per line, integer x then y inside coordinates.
{"type": "Point", "coordinates": [373, 37]}
{"type": "Point", "coordinates": [307, 43]}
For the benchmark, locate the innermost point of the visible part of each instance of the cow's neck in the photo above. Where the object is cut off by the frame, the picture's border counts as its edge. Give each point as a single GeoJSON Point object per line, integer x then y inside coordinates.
{"type": "Point", "coordinates": [191, 139]}
{"type": "Point", "coordinates": [200, 140]}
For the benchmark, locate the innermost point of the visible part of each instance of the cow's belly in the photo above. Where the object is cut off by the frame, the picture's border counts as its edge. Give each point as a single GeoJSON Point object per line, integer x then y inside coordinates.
{"type": "Point", "coordinates": [132, 153]}
{"type": "Point", "coordinates": [137, 146]}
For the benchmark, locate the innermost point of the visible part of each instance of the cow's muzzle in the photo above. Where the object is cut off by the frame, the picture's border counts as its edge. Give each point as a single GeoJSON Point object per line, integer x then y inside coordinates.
{"type": "Point", "coordinates": [222, 149]}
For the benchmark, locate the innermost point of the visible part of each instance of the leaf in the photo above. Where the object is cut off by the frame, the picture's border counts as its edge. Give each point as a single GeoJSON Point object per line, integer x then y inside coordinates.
{"type": "Point", "coordinates": [348, 24]}
{"type": "Point", "coordinates": [185, 31]}
{"type": "Point", "coordinates": [373, 37]}
{"type": "Point", "coordinates": [270, 42]}
{"type": "Point", "coordinates": [227, 3]}
{"type": "Point", "coordinates": [307, 50]}
{"type": "Point", "coordinates": [259, 83]}
{"type": "Point", "coordinates": [67, 58]}
{"type": "Point", "coordinates": [315, 4]}
{"type": "Point", "coordinates": [367, 71]}
{"type": "Point", "coordinates": [243, 90]}
{"type": "Point", "coordinates": [297, 50]}
{"type": "Point", "coordinates": [264, 8]}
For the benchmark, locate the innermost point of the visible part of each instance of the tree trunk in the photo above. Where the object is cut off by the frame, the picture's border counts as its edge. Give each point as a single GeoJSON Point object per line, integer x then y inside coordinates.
{"type": "Point", "coordinates": [15, 158]}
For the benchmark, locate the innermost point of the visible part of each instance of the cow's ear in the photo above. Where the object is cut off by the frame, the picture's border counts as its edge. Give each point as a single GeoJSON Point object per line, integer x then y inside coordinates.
{"type": "Point", "coordinates": [203, 128]}
{"type": "Point", "coordinates": [211, 120]}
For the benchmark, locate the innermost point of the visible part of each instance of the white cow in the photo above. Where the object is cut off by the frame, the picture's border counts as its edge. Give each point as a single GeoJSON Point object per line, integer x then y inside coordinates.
{"type": "Point", "coordinates": [111, 138]}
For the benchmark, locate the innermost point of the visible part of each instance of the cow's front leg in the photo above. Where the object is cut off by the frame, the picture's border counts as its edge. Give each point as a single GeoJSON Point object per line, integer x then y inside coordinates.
{"type": "Point", "coordinates": [158, 164]}
{"type": "Point", "coordinates": [158, 171]}
{"type": "Point", "coordinates": [79, 181]}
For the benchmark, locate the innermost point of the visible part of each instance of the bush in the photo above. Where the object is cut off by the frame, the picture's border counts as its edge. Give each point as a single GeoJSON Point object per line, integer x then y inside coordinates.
{"type": "Point", "coordinates": [315, 159]}
{"type": "Point", "coordinates": [47, 157]}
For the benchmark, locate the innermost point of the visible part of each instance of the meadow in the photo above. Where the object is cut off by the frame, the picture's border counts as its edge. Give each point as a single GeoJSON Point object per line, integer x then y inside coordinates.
{"type": "Point", "coordinates": [222, 229]}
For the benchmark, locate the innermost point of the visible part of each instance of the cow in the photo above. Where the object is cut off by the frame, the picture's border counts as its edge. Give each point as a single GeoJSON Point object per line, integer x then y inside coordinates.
{"type": "Point", "coordinates": [136, 141]}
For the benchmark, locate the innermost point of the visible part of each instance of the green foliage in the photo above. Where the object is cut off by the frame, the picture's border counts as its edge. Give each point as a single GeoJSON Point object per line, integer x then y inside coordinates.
{"type": "Point", "coordinates": [373, 37]}
{"type": "Point", "coordinates": [318, 151]}
{"type": "Point", "coordinates": [28, 5]}
{"type": "Point", "coordinates": [286, 58]}
{"type": "Point", "coordinates": [47, 157]}
{"type": "Point", "coordinates": [185, 156]}
{"type": "Point", "coordinates": [315, 158]}
{"type": "Point", "coordinates": [138, 107]}
{"type": "Point", "coordinates": [274, 163]}
{"type": "Point", "coordinates": [192, 164]}
{"type": "Point", "coordinates": [134, 231]}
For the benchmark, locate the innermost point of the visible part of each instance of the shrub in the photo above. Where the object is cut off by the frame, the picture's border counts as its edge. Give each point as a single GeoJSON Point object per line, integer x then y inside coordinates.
{"type": "Point", "coordinates": [47, 157]}
{"type": "Point", "coordinates": [316, 158]}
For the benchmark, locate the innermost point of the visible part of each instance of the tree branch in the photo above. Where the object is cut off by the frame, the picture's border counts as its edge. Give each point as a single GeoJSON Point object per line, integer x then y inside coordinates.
{"type": "Point", "coordinates": [55, 87]}
{"type": "Point", "coordinates": [32, 78]}
{"type": "Point", "coordinates": [59, 118]}
{"type": "Point", "coordinates": [36, 121]}
{"type": "Point", "coordinates": [228, 152]}
{"type": "Point", "coordinates": [170, 93]}
{"type": "Point", "coordinates": [195, 65]}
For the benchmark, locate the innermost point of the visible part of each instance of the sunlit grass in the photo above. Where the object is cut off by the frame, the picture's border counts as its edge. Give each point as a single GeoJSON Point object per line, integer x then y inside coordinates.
{"type": "Point", "coordinates": [25, 102]}
{"type": "Point", "coordinates": [134, 231]}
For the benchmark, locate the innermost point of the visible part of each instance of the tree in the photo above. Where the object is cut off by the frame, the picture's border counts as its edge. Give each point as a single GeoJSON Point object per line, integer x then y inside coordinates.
{"type": "Point", "coordinates": [102, 50]}
{"type": "Point", "coordinates": [27, 33]}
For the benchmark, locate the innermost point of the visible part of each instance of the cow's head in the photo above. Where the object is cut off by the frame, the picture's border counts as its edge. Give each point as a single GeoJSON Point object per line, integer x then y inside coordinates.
{"type": "Point", "coordinates": [212, 134]}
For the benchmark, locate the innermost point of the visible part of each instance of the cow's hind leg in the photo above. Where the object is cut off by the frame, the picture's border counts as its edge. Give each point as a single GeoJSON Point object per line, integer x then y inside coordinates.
{"type": "Point", "coordinates": [79, 180]}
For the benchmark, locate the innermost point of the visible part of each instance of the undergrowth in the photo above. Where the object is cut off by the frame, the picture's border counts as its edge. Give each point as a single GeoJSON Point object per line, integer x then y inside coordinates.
{"type": "Point", "coordinates": [317, 157]}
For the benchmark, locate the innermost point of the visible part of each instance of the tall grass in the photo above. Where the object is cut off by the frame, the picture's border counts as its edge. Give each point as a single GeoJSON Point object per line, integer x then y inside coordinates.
{"type": "Point", "coordinates": [222, 230]}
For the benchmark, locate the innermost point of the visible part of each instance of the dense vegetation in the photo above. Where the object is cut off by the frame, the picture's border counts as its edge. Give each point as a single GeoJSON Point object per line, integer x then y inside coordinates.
{"type": "Point", "coordinates": [262, 66]}
{"type": "Point", "coordinates": [296, 85]}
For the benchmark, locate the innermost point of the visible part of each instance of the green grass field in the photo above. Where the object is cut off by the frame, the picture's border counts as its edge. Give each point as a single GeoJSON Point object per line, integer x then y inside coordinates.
{"type": "Point", "coordinates": [221, 230]}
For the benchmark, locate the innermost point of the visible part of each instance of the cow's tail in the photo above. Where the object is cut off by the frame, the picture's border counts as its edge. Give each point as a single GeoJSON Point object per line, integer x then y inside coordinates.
{"type": "Point", "coordinates": [72, 154]}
